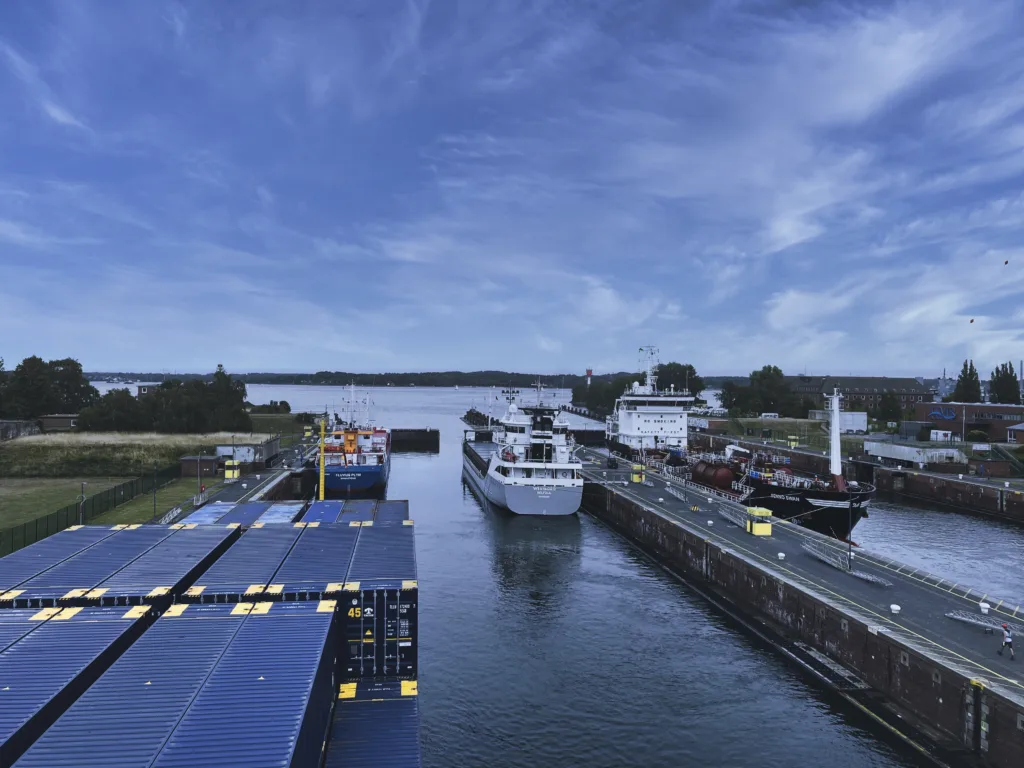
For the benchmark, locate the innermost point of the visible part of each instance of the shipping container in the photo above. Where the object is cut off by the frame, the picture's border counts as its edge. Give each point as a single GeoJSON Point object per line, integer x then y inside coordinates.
{"type": "Point", "coordinates": [376, 725]}
{"type": "Point", "coordinates": [358, 510]}
{"type": "Point", "coordinates": [245, 514]}
{"type": "Point", "coordinates": [268, 700]}
{"type": "Point", "coordinates": [241, 685]}
{"type": "Point", "coordinates": [318, 564]}
{"type": "Point", "coordinates": [391, 512]}
{"type": "Point", "coordinates": [49, 667]}
{"type": "Point", "coordinates": [27, 563]}
{"type": "Point", "coordinates": [379, 605]}
{"type": "Point", "coordinates": [281, 512]}
{"type": "Point", "coordinates": [210, 513]}
{"type": "Point", "coordinates": [125, 717]}
{"type": "Point", "coordinates": [323, 512]}
{"type": "Point", "coordinates": [168, 569]}
{"type": "Point", "coordinates": [76, 576]}
{"type": "Point", "coordinates": [247, 568]}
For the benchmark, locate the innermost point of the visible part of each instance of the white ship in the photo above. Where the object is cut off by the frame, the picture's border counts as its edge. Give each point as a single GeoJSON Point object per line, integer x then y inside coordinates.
{"type": "Point", "coordinates": [645, 420]}
{"type": "Point", "coordinates": [529, 467]}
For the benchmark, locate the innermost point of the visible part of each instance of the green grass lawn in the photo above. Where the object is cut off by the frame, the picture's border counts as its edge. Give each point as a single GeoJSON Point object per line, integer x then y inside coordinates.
{"type": "Point", "coordinates": [140, 509]}
{"type": "Point", "coordinates": [25, 498]}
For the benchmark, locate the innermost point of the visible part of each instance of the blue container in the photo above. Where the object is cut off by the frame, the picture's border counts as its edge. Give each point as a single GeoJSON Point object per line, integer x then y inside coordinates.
{"type": "Point", "coordinates": [72, 579]}
{"type": "Point", "coordinates": [240, 685]}
{"type": "Point", "coordinates": [323, 512]}
{"type": "Point", "coordinates": [247, 568]}
{"type": "Point", "coordinates": [27, 563]}
{"type": "Point", "coordinates": [358, 510]}
{"type": "Point", "coordinates": [168, 569]}
{"type": "Point", "coordinates": [318, 564]}
{"type": "Point", "coordinates": [54, 663]}
{"type": "Point", "coordinates": [245, 514]}
{"type": "Point", "coordinates": [283, 512]}
{"type": "Point", "coordinates": [380, 604]}
{"type": "Point", "coordinates": [376, 725]}
{"type": "Point", "coordinates": [210, 513]}
{"type": "Point", "coordinates": [391, 512]}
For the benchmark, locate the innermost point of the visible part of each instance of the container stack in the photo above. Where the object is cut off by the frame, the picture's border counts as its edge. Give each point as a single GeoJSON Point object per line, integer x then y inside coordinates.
{"type": "Point", "coordinates": [247, 640]}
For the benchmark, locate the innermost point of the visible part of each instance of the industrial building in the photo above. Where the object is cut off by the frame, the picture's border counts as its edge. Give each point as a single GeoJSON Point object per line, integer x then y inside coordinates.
{"type": "Point", "coordinates": [994, 419]}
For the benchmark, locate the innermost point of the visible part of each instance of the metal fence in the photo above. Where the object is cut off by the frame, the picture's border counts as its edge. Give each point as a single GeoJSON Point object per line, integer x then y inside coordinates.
{"type": "Point", "coordinates": [18, 536]}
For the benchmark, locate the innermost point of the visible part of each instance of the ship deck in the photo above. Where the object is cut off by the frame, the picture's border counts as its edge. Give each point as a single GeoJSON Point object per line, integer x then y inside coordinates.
{"type": "Point", "coordinates": [924, 598]}
{"type": "Point", "coordinates": [483, 449]}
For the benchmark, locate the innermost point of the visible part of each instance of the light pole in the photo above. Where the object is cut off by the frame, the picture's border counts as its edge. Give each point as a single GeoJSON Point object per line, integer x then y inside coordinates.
{"type": "Point", "coordinates": [154, 489]}
{"type": "Point", "coordinates": [81, 506]}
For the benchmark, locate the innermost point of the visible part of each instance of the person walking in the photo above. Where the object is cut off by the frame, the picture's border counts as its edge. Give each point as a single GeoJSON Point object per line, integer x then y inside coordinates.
{"type": "Point", "coordinates": [1007, 642]}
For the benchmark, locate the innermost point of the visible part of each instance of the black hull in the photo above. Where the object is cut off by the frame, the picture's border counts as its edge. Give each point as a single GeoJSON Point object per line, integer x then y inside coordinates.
{"type": "Point", "coordinates": [824, 511]}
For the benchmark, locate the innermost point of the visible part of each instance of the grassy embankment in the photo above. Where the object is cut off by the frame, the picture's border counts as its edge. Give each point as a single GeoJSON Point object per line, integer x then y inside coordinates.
{"type": "Point", "coordinates": [23, 499]}
{"type": "Point", "coordinates": [140, 509]}
{"type": "Point", "coordinates": [283, 424]}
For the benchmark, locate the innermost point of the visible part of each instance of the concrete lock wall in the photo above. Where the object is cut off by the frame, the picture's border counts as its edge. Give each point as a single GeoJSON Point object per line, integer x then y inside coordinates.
{"type": "Point", "coordinates": [964, 711]}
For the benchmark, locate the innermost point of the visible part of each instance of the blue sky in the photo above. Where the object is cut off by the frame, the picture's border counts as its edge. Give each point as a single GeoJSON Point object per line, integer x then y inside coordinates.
{"type": "Point", "coordinates": [538, 185]}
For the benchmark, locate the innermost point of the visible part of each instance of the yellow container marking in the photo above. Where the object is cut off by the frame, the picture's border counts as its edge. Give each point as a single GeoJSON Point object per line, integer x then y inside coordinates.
{"type": "Point", "coordinates": [366, 523]}
{"type": "Point", "coordinates": [335, 586]}
{"type": "Point", "coordinates": [190, 526]}
{"type": "Point", "coordinates": [159, 592]}
{"type": "Point", "coordinates": [75, 593]}
{"type": "Point", "coordinates": [254, 589]}
{"type": "Point", "coordinates": [133, 526]}
{"type": "Point", "coordinates": [66, 614]}
{"type": "Point", "coordinates": [176, 610]}
{"type": "Point", "coordinates": [347, 691]}
{"type": "Point", "coordinates": [74, 527]}
{"type": "Point", "coordinates": [234, 525]}
{"type": "Point", "coordinates": [177, 526]}
{"type": "Point", "coordinates": [353, 524]}
{"type": "Point", "coordinates": [46, 613]}
{"type": "Point", "coordinates": [407, 522]}
{"type": "Point", "coordinates": [409, 585]}
{"type": "Point", "coordinates": [409, 688]}
{"type": "Point", "coordinates": [258, 525]}
{"type": "Point", "coordinates": [274, 589]}
{"type": "Point", "coordinates": [93, 594]}
{"type": "Point", "coordinates": [313, 525]}
{"type": "Point", "coordinates": [241, 609]}
{"type": "Point", "coordinates": [260, 609]}
{"type": "Point", "coordinates": [119, 527]}
{"type": "Point", "coordinates": [326, 606]}
{"type": "Point", "coordinates": [136, 612]}
{"type": "Point", "coordinates": [194, 591]}
{"type": "Point", "coordinates": [351, 586]}
{"type": "Point", "coordinates": [12, 594]}
{"type": "Point", "coordinates": [299, 525]}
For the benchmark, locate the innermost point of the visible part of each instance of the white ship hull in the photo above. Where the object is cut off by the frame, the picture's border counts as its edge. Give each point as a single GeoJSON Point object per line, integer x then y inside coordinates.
{"type": "Point", "coordinates": [524, 499]}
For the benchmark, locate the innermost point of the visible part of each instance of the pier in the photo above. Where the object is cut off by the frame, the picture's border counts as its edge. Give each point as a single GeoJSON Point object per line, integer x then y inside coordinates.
{"type": "Point", "coordinates": [912, 650]}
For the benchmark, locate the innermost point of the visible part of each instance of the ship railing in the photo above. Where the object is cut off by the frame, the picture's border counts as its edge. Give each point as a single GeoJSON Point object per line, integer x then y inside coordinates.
{"type": "Point", "coordinates": [707, 489]}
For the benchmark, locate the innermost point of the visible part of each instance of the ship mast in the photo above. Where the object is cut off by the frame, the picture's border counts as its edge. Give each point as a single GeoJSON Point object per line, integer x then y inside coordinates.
{"type": "Point", "coordinates": [835, 442]}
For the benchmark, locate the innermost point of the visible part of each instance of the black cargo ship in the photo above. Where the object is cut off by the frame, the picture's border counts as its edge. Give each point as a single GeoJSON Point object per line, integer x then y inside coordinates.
{"type": "Point", "coordinates": [833, 507]}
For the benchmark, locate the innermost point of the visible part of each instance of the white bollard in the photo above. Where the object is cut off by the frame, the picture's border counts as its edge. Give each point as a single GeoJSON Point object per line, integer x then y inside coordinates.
{"type": "Point", "coordinates": [984, 608]}
{"type": "Point", "coordinates": [244, 486]}
{"type": "Point", "coordinates": [782, 555]}
{"type": "Point", "coordinates": [661, 500]}
{"type": "Point", "coordinates": [895, 609]}
{"type": "Point", "coordinates": [257, 477]}
{"type": "Point", "coordinates": [711, 522]}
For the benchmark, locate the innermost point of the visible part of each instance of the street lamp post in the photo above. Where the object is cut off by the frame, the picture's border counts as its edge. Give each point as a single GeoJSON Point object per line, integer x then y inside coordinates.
{"type": "Point", "coordinates": [154, 489]}
{"type": "Point", "coordinates": [81, 506]}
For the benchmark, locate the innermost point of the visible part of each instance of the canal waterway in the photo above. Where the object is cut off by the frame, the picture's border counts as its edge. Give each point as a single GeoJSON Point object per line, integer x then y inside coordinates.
{"type": "Point", "coordinates": [554, 642]}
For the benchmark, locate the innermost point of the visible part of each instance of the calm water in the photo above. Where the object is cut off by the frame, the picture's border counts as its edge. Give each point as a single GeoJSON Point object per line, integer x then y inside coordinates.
{"type": "Point", "coordinates": [553, 642]}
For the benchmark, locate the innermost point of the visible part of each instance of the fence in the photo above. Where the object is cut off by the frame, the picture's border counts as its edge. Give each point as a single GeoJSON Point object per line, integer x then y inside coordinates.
{"type": "Point", "coordinates": [18, 536]}
{"type": "Point", "coordinates": [12, 429]}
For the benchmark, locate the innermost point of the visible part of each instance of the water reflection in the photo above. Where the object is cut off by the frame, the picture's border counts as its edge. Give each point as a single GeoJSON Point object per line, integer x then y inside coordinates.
{"type": "Point", "coordinates": [535, 560]}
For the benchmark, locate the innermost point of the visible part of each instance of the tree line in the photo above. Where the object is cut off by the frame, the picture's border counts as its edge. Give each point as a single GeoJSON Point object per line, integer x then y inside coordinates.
{"type": "Point", "coordinates": [38, 387]}
{"type": "Point", "coordinates": [1003, 385]}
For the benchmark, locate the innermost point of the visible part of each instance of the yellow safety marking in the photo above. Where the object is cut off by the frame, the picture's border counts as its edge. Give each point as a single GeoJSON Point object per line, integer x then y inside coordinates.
{"type": "Point", "coordinates": [900, 569]}
{"type": "Point", "coordinates": [119, 527]}
{"type": "Point", "coordinates": [351, 586]}
{"type": "Point", "coordinates": [93, 594]}
{"type": "Point", "coordinates": [159, 592]}
{"type": "Point", "coordinates": [133, 526]}
{"type": "Point", "coordinates": [1015, 610]}
{"type": "Point", "coordinates": [409, 585]}
{"type": "Point", "coordinates": [347, 691]}
{"type": "Point", "coordinates": [190, 526]}
{"type": "Point", "coordinates": [75, 593]}
{"type": "Point", "coordinates": [953, 587]}
{"type": "Point", "coordinates": [326, 606]}
{"type": "Point", "coordinates": [313, 525]}
{"type": "Point", "coordinates": [367, 522]}
{"type": "Point", "coordinates": [409, 688]}
{"type": "Point", "coordinates": [74, 527]}
{"type": "Point", "coordinates": [176, 610]}
{"type": "Point", "coordinates": [234, 525]}
{"type": "Point", "coordinates": [260, 608]}
{"type": "Point", "coordinates": [241, 609]}
{"type": "Point", "coordinates": [998, 604]}
{"type": "Point", "coordinates": [136, 612]}
{"type": "Point", "coordinates": [983, 598]}
{"type": "Point", "coordinates": [274, 589]}
{"type": "Point", "coordinates": [12, 594]}
{"type": "Point", "coordinates": [823, 588]}
{"type": "Point", "coordinates": [407, 522]}
{"type": "Point", "coordinates": [353, 524]}
{"type": "Point", "coordinates": [176, 526]}
{"type": "Point", "coordinates": [46, 613]}
{"type": "Point", "coordinates": [66, 614]}
{"type": "Point", "coordinates": [335, 586]}
{"type": "Point", "coordinates": [258, 525]}
{"type": "Point", "coordinates": [254, 589]}
{"type": "Point", "coordinates": [194, 591]}
{"type": "Point", "coordinates": [300, 525]}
